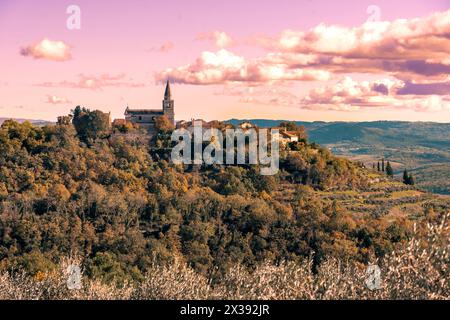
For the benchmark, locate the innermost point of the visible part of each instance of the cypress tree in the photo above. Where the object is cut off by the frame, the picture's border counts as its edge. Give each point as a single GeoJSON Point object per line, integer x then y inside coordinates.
{"type": "Point", "coordinates": [378, 166]}
{"type": "Point", "coordinates": [382, 164]}
{"type": "Point", "coordinates": [408, 178]}
{"type": "Point", "coordinates": [405, 177]}
{"type": "Point", "coordinates": [411, 180]}
{"type": "Point", "coordinates": [389, 170]}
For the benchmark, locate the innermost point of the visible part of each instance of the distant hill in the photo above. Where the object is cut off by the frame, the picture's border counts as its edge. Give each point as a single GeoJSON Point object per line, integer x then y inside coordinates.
{"type": "Point", "coordinates": [427, 134]}
{"type": "Point", "coordinates": [33, 121]}
{"type": "Point", "coordinates": [422, 147]}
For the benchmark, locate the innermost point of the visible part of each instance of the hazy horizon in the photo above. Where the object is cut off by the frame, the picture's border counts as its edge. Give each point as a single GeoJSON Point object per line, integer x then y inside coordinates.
{"type": "Point", "coordinates": [257, 119]}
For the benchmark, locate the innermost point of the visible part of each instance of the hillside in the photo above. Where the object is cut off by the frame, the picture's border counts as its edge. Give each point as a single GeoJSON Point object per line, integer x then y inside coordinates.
{"type": "Point", "coordinates": [33, 121]}
{"type": "Point", "coordinates": [421, 147]}
{"type": "Point", "coordinates": [116, 203]}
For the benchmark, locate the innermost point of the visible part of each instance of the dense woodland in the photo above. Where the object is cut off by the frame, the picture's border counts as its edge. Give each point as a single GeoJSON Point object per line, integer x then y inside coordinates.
{"type": "Point", "coordinates": [115, 201]}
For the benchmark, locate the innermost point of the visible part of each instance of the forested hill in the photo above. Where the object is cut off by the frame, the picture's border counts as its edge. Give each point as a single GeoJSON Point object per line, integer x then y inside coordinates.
{"type": "Point", "coordinates": [421, 147]}
{"type": "Point", "coordinates": [33, 121]}
{"type": "Point", "coordinates": [388, 133]}
{"type": "Point", "coordinates": [117, 203]}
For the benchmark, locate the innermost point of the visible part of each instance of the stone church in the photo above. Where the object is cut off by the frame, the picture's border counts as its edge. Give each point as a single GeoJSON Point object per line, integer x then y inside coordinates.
{"type": "Point", "coordinates": [145, 118]}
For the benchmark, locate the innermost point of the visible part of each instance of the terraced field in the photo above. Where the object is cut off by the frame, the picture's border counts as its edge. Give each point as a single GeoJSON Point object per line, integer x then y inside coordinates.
{"type": "Point", "coordinates": [383, 198]}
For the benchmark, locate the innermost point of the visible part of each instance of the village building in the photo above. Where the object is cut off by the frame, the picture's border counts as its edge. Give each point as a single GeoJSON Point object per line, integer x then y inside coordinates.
{"type": "Point", "coordinates": [246, 125]}
{"type": "Point", "coordinates": [146, 118]}
{"type": "Point", "coordinates": [284, 137]}
{"type": "Point", "coordinates": [288, 136]}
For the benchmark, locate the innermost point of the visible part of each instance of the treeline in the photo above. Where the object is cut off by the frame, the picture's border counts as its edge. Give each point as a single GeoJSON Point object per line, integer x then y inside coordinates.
{"type": "Point", "coordinates": [407, 179]}
{"type": "Point", "coordinates": [112, 202]}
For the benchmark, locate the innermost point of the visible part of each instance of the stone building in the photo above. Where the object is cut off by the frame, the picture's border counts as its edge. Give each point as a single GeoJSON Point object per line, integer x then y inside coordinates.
{"type": "Point", "coordinates": [145, 118]}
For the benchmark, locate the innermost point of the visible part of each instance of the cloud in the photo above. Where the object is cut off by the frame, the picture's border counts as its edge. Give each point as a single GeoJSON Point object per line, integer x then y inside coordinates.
{"type": "Point", "coordinates": [350, 95]}
{"type": "Point", "coordinates": [404, 48]}
{"type": "Point", "coordinates": [264, 95]}
{"type": "Point", "coordinates": [411, 57]}
{"type": "Point", "coordinates": [425, 89]}
{"type": "Point", "coordinates": [165, 47]}
{"type": "Point", "coordinates": [48, 49]}
{"type": "Point", "coordinates": [224, 67]}
{"type": "Point", "coordinates": [433, 103]}
{"type": "Point", "coordinates": [345, 95]}
{"type": "Point", "coordinates": [221, 39]}
{"type": "Point", "coordinates": [415, 39]}
{"type": "Point", "coordinates": [52, 99]}
{"type": "Point", "coordinates": [95, 82]}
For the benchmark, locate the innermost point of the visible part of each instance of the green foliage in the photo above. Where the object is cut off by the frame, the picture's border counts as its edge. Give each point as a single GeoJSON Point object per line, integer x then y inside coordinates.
{"type": "Point", "coordinates": [90, 125]}
{"type": "Point", "coordinates": [121, 209]}
{"type": "Point", "coordinates": [408, 178]}
{"type": "Point", "coordinates": [389, 170]}
{"type": "Point", "coordinates": [163, 124]}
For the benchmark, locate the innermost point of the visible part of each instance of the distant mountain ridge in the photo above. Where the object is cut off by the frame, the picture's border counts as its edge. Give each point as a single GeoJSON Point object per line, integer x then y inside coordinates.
{"type": "Point", "coordinates": [421, 147]}
{"type": "Point", "coordinates": [423, 133]}
{"type": "Point", "coordinates": [33, 121]}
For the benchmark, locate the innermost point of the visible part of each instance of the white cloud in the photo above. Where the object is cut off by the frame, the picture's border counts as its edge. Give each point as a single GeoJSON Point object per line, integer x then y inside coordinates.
{"type": "Point", "coordinates": [93, 82]}
{"type": "Point", "coordinates": [350, 95]}
{"type": "Point", "coordinates": [224, 67]}
{"type": "Point", "coordinates": [49, 50]}
{"type": "Point", "coordinates": [220, 38]}
{"type": "Point", "coordinates": [53, 99]}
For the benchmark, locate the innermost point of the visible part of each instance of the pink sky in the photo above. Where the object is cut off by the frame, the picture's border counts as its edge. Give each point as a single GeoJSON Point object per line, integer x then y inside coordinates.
{"type": "Point", "coordinates": [297, 60]}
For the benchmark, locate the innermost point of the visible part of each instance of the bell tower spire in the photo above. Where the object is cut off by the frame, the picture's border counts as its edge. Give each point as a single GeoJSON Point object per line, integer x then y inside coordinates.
{"type": "Point", "coordinates": [169, 104]}
{"type": "Point", "coordinates": [167, 94]}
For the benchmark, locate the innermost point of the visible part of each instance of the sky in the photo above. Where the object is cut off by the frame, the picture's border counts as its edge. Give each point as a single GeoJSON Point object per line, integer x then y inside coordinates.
{"type": "Point", "coordinates": [348, 60]}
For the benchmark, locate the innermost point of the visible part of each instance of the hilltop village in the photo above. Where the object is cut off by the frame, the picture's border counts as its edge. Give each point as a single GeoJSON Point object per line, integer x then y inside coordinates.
{"type": "Point", "coordinates": [149, 121]}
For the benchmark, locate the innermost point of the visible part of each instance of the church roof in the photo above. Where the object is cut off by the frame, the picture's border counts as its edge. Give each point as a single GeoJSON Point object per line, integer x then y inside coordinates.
{"type": "Point", "coordinates": [289, 134]}
{"type": "Point", "coordinates": [144, 111]}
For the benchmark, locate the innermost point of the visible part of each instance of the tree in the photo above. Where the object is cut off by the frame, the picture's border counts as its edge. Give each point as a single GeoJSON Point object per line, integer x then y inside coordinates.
{"type": "Point", "coordinates": [405, 177]}
{"type": "Point", "coordinates": [411, 180]}
{"type": "Point", "coordinates": [64, 120]}
{"type": "Point", "coordinates": [290, 126]}
{"type": "Point", "coordinates": [90, 125]}
{"type": "Point", "coordinates": [382, 164]}
{"type": "Point", "coordinates": [408, 178]}
{"type": "Point", "coordinates": [163, 124]}
{"type": "Point", "coordinates": [378, 166]}
{"type": "Point", "coordinates": [123, 127]}
{"type": "Point", "coordinates": [389, 170]}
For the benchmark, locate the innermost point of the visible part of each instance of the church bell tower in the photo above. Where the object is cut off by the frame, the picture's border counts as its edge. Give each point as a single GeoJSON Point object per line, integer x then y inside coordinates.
{"type": "Point", "coordinates": [168, 104]}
